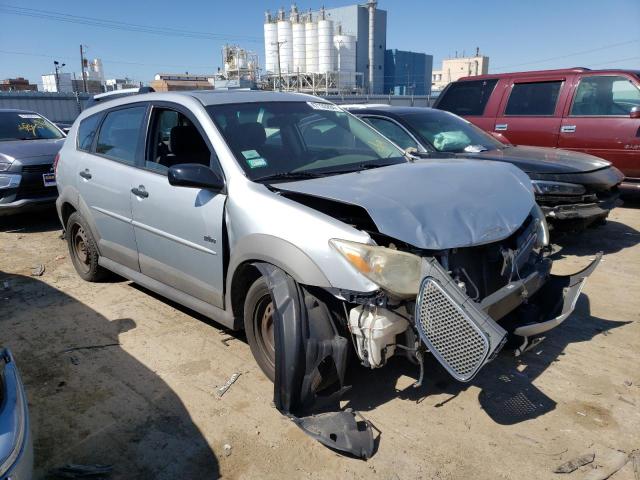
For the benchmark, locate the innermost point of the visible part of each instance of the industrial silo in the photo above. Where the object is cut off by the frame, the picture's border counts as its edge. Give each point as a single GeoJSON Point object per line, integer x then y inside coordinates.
{"type": "Point", "coordinates": [326, 50]}
{"type": "Point", "coordinates": [311, 41]}
{"type": "Point", "coordinates": [285, 40]}
{"type": "Point", "coordinates": [345, 47]}
{"type": "Point", "coordinates": [299, 42]}
{"type": "Point", "coordinates": [270, 44]}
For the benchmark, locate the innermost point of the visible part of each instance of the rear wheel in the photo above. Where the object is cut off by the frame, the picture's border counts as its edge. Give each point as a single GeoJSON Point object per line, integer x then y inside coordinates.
{"type": "Point", "coordinates": [259, 326]}
{"type": "Point", "coordinates": [83, 250]}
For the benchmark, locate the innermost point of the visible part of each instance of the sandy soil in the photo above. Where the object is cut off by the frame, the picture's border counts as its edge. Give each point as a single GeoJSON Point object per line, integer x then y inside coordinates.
{"type": "Point", "coordinates": [145, 401]}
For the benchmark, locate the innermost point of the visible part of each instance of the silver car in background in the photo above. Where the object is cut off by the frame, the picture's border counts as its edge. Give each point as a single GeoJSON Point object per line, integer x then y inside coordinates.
{"type": "Point", "coordinates": [284, 215]}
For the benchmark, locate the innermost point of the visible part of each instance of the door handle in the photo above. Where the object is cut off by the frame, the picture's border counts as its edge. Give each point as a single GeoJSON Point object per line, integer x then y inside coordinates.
{"type": "Point", "coordinates": [501, 127]}
{"type": "Point", "coordinates": [140, 191]}
{"type": "Point", "coordinates": [567, 128]}
{"type": "Point", "coordinates": [86, 174]}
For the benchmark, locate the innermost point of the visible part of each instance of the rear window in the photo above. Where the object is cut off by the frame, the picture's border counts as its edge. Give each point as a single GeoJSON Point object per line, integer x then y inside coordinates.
{"type": "Point", "coordinates": [467, 98]}
{"type": "Point", "coordinates": [533, 99]}
{"type": "Point", "coordinates": [87, 132]}
{"type": "Point", "coordinates": [120, 132]}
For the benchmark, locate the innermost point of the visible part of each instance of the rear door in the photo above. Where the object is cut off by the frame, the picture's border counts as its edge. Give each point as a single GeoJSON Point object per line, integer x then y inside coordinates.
{"type": "Point", "coordinates": [105, 168]}
{"type": "Point", "coordinates": [531, 111]}
{"type": "Point", "coordinates": [597, 120]}
{"type": "Point", "coordinates": [178, 230]}
{"type": "Point", "coordinates": [470, 99]}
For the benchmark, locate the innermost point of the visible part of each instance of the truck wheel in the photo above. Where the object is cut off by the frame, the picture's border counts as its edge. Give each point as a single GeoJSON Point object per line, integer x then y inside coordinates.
{"type": "Point", "coordinates": [259, 326]}
{"type": "Point", "coordinates": [83, 250]}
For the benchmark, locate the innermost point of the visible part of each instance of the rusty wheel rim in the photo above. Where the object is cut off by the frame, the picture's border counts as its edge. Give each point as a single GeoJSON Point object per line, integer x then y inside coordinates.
{"type": "Point", "coordinates": [263, 321]}
{"type": "Point", "coordinates": [80, 248]}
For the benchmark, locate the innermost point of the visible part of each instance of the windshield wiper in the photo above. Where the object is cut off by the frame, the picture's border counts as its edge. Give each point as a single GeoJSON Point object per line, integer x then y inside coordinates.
{"type": "Point", "coordinates": [288, 176]}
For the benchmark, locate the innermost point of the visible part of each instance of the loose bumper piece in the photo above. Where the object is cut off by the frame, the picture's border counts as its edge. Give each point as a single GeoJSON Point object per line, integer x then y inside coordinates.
{"type": "Point", "coordinates": [310, 353]}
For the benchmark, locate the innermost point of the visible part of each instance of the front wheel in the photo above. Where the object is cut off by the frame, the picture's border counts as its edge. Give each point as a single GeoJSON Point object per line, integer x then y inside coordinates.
{"type": "Point", "coordinates": [83, 250]}
{"type": "Point", "coordinates": [259, 326]}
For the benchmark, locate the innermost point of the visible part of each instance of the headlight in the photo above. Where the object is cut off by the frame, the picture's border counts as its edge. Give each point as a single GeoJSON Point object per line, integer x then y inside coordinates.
{"type": "Point", "coordinates": [542, 229]}
{"type": "Point", "coordinates": [9, 180]}
{"type": "Point", "coordinates": [397, 272]}
{"type": "Point", "coordinates": [542, 187]}
{"type": "Point", "coordinates": [5, 162]}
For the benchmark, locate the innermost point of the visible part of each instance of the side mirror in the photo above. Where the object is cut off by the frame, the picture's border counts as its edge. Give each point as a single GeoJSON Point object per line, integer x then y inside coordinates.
{"type": "Point", "coordinates": [195, 175]}
{"type": "Point", "coordinates": [635, 112]}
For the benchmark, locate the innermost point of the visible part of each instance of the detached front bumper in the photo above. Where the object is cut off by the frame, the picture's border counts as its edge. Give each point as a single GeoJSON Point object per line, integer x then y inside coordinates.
{"type": "Point", "coordinates": [464, 335]}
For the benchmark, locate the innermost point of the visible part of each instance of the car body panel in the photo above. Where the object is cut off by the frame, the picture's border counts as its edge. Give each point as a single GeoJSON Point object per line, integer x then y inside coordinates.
{"type": "Point", "coordinates": [16, 449]}
{"type": "Point", "coordinates": [434, 205]}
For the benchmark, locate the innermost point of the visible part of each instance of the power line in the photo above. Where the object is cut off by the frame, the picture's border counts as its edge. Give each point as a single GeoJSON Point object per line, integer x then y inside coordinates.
{"type": "Point", "coordinates": [117, 25]}
{"type": "Point", "coordinates": [107, 60]}
{"type": "Point", "coordinates": [584, 52]}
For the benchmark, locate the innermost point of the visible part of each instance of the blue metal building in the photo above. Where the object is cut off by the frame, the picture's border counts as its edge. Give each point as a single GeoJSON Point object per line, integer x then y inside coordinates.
{"type": "Point", "coordinates": [407, 73]}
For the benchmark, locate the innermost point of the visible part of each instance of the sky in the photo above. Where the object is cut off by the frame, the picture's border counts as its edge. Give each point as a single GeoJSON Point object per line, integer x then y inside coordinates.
{"type": "Point", "coordinates": [187, 35]}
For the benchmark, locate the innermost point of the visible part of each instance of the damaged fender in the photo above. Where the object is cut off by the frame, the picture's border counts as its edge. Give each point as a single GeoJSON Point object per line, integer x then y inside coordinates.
{"type": "Point", "coordinates": [310, 364]}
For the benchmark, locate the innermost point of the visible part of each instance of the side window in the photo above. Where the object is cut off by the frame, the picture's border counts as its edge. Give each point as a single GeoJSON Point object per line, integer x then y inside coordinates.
{"type": "Point", "coordinates": [467, 98]}
{"type": "Point", "coordinates": [605, 95]}
{"type": "Point", "coordinates": [87, 132]}
{"type": "Point", "coordinates": [173, 140]}
{"type": "Point", "coordinates": [533, 99]}
{"type": "Point", "coordinates": [392, 131]}
{"type": "Point", "coordinates": [119, 134]}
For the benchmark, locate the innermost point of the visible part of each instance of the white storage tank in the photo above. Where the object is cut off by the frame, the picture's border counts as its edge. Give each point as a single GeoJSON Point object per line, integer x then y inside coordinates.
{"type": "Point", "coordinates": [326, 50]}
{"type": "Point", "coordinates": [345, 46]}
{"type": "Point", "coordinates": [299, 46]}
{"type": "Point", "coordinates": [285, 39]}
{"type": "Point", "coordinates": [311, 40]}
{"type": "Point", "coordinates": [270, 44]}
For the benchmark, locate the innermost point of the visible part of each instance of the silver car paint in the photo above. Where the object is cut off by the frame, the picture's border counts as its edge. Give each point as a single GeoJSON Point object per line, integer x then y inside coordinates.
{"type": "Point", "coordinates": [434, 205]}
{"type": "Point", "coordinates": [263, 225]}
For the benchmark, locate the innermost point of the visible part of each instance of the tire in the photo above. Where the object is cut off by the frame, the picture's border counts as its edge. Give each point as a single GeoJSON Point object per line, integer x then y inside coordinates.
{"type": "Point", "coordinates": [258, 325]}
{"type": "Point", "coordinates": [82, 249]}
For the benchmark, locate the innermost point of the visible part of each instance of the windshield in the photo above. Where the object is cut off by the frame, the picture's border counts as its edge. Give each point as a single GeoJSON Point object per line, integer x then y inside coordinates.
{"type": "Point", "coordinates": [300, 139]}
{"type": "Point", "coordinates": [449, 133]}
{"type": "Point", "coordinates": [26, 126]}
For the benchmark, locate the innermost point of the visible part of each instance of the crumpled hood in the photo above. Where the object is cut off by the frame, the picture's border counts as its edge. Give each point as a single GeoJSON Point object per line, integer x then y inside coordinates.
{"type": "Point", "coordinates": [543, 159]}
{"type": "Point", "coordinates": [31, 148]}
{"type": "Point", "coordinates": [433, 205]}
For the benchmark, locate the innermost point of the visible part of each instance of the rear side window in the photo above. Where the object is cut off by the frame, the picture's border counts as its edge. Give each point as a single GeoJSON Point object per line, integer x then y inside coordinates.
{"type": "Point", "coordinates": [605, 95]}
{"type": "Point", "coordinates": [467, 98]}
{"type": "Point", "coordinates": [533, 99]}
{"type": "Point", "coordinates": [120, 132]}
{"type": "Point", "coordinates": [87, 132]}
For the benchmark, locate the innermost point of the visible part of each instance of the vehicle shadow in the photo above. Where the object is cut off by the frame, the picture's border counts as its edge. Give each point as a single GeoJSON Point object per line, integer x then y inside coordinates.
{"type": "Point", "coordinates": [31, 222]}
{"type": "Point", "coordinates": [507, 393]}
{"type": "Point", "coordinates": [609, 238]}
{"type": "Point", "coordinates": [91, 402]}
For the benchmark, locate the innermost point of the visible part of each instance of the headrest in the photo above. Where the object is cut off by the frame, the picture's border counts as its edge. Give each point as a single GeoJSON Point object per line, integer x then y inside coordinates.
{"type": "Point", "coordinates": [186, 139]}
{"type": "Point", "coordinates": [246, 136]}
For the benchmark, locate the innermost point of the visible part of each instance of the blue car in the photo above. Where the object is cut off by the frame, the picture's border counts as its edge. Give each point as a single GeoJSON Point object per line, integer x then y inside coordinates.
{"type": "Point", "coordinates": [16, 449]}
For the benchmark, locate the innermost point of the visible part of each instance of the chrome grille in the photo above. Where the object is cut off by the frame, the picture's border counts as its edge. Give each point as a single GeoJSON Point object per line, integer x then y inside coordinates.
{"type": "Point", "coordinates": [449, 332]}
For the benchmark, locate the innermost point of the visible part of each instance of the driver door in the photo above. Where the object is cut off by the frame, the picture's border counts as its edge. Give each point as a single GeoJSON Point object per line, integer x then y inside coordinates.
{"type": "Point", "coordinates": [178, 230]}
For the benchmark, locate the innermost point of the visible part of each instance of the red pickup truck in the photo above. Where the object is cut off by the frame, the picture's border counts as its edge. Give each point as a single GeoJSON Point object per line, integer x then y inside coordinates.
{"type": "Point", "coordinates": [592, 111]}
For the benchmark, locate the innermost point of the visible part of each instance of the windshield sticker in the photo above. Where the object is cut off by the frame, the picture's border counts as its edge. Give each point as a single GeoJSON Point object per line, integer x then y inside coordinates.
{"type": "Point", "coordinates": [249, 154]}
{"type": "Point", "coordinates": [256, 162]}
{"type": "Point", "coordinates": [28, 127]}
{"type": "Point", "coordinates": [28, 115]}
{"type": "Point", "coordinates": [329, 107]}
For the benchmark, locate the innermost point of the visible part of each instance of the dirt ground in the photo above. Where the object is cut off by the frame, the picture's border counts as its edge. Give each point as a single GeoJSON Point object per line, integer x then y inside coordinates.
{"type": "Point", "coordinates": [142, 397]}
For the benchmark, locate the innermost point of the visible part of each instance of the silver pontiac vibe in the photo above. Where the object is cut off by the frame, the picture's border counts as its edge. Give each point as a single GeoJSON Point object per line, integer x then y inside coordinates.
{"type": "Point", "coordinates": [284, 215]}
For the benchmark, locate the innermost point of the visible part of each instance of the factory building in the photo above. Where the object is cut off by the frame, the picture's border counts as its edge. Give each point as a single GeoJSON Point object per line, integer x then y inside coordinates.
{"type": "Point", "coordinates": [169, 82]}
{"type": "Point", "coordinates": [458, 67]}
{"type": "Point", "coordinates": [407, 73]}
{"type": "Point", "coordinates": [327, 51]}
{"type": "Point", "coordinates": [19, 84]}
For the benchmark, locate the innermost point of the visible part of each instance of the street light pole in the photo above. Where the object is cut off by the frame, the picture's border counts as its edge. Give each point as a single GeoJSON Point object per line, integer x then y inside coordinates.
{"type": "Point", "coordinates": [57, 67]}
{"type": "Point", "coordinates": [279, 44]}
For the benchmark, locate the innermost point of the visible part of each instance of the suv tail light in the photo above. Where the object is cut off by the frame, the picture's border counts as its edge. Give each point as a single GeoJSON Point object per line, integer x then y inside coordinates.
{"type": "Point", "coordinates": [55, 162]}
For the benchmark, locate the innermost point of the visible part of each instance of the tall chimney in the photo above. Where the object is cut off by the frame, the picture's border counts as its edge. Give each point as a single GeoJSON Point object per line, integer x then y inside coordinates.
{"type": "Point", "coordinates": [371, 5]}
